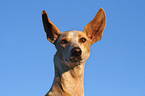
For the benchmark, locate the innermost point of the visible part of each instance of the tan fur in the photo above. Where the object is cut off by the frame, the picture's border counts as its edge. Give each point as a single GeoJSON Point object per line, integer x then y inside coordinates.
{"type": "Point", "coordinates": [95, 28]}
{"type": "Point", "coordinates": [72, 53]}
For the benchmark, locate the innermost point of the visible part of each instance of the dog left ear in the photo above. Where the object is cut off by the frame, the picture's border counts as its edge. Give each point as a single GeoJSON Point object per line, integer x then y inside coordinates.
{"type": "Point", "coordinates": [95, 28]}
{"type": "Point", "coordinates": [51, 30]}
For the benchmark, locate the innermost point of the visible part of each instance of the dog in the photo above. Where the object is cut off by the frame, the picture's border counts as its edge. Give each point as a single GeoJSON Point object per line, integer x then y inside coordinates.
{"type": "Point", "coordinates": [73, 49]}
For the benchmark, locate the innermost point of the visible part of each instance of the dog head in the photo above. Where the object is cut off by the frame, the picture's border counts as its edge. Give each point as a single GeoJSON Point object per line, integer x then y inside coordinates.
{"type": "Point", "coordinates": [73, 47]}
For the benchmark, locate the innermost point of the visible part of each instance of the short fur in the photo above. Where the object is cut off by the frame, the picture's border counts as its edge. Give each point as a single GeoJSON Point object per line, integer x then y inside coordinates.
{"type": "Point", "coordinates": [73, 49]}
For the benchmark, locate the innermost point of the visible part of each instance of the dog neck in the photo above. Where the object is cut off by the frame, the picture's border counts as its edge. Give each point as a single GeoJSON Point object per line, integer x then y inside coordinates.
{"type": "Point", "coordinates": [67, 81]}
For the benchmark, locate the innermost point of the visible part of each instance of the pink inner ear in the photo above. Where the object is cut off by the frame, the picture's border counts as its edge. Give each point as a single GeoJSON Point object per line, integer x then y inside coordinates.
{"type": "Point", "coordinates": [95, 28]}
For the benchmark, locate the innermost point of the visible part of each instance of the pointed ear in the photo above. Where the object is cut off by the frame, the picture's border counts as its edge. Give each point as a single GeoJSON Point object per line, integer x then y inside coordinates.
{"type": "Point", "coordinates": [51, 30]}
{"type": "Point", "coordinates": [95, 28]}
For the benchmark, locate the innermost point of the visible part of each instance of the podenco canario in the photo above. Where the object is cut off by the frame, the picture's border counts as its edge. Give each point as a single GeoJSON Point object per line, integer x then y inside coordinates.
{"type": "Point", "coordinates": [73, 49]}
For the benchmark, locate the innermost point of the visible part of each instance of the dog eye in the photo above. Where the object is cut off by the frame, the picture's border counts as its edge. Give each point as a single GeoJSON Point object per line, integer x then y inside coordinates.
{"type": "Point", "coordinates": [82, 40]}
{"type": "Point", "coordinates": [63, 41]}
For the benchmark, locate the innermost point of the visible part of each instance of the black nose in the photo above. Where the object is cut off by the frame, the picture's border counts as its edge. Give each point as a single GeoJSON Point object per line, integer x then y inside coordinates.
{"type": "Point", "coordinates": [76, 51]}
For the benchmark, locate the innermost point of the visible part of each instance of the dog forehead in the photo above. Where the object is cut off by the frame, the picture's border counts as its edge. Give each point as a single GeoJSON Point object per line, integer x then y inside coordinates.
{"type": "Point", "coordinates": [73, 34]}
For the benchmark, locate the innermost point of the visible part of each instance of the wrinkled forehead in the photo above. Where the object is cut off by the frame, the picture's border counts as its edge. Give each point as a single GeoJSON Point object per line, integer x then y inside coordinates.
{"type": "Point", "coordinates": [73, 34]}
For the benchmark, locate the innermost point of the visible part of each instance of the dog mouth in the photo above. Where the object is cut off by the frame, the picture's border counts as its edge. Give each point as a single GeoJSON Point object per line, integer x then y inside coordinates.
{"type": "Point", "coordinates": [74, 59]}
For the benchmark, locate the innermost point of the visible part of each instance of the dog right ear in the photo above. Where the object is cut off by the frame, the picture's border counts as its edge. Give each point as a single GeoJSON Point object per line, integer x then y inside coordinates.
{"type": "Point", "coordinates": [51, 30]}
{"type": "Point", "coordinates": [95, 28]}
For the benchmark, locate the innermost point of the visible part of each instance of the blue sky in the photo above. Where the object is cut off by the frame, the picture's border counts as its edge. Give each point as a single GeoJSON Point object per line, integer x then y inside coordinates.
{"type": "Point", "coordinates": [116, 66]}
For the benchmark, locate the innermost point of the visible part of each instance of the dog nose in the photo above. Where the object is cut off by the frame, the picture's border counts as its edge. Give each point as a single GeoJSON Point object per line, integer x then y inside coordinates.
{"type": "Point", "coordinates": [76, 51]}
